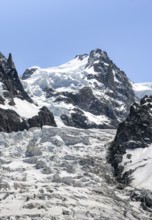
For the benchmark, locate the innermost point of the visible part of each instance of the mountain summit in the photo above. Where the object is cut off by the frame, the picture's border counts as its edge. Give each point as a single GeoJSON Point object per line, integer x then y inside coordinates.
{"type": "Point", "coordinates": [89, 91]}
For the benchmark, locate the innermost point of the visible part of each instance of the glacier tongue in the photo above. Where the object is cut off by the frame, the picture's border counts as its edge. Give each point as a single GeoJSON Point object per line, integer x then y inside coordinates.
{"type": "Point", "coordinates": [61, 173]}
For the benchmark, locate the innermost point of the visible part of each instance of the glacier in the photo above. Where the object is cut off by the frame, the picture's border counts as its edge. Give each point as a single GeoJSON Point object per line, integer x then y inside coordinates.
{"type": "Point", "coordinates": [61, 173]}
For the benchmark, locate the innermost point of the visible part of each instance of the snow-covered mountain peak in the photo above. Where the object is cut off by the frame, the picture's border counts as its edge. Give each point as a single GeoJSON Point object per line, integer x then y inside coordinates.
{"type": "Point", "coordinates": [97, 56]}
{"type": "Point", "coordinates": [89, 87]}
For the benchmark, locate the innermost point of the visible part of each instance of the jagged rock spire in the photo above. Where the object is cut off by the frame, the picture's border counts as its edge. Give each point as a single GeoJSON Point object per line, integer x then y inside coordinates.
{"type": "Point", "coordinates": [10, 79]}
{"type": "Point", "coordinates": [10, 61]}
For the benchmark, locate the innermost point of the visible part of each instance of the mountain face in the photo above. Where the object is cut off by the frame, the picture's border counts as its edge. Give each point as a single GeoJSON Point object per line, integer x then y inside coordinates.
{"type": "Point", "coordinates": [17, 110]}
{"type": "Point", "coordinates": [89, 91]}
{"type": "Point", "coordinates": [131, 151]}
{"type": "Point", "coordinates": [62, 172]}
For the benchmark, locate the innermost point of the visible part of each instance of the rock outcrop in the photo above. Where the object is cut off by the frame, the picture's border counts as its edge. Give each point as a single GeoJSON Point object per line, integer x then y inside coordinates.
{"type": "Point", "coordinates": [135, 132]}
{"type": "Point", "coordinates": [131, 152]}
{"type": "Point", "coordinates": [10, 80]}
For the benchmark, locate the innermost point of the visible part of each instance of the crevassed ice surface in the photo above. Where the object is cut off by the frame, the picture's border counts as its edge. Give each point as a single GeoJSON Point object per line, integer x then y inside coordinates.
{"type": "Point", "coordinates": [61, 173]}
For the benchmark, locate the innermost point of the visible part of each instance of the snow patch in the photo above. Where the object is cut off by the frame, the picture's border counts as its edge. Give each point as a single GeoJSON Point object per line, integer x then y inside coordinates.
{"type": "Point", "coordinates": [23, 108]}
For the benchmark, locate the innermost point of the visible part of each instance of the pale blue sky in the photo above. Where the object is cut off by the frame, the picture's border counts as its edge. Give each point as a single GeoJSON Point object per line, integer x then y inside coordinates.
{"type": "Point", "coordinates": [50, 32]}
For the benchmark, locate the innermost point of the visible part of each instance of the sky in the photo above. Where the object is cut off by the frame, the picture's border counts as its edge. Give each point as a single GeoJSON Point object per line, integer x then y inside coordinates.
{"type": "Point", "coordinates": [48, 33]}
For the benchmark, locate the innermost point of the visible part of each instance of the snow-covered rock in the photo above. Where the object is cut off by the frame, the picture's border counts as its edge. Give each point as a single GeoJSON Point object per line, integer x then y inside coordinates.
{"type": "Point", "coordinates": [89, 91]}
{"type": "Point", "coordinates": [131, 150]}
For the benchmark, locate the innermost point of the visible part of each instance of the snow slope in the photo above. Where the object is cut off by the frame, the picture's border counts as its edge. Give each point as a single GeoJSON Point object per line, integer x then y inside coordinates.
{"type": "Point", "coordinates": [57, 173]}
{"type": "Point", "coordinates": [140, 163]}
{"type": "Point", "coordinates": [23, 108]}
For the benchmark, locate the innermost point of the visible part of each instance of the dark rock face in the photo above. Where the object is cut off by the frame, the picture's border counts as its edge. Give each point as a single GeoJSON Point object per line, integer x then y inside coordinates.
{"type": "Point", "coordinates": [79, 120]}
{"type": "Point", "coordinates": [111, 76]}
{"type": "Point", "coordinates": [10, 79]}
{"type": "Point", "coordinates": [86, 101]}
{"type": "Point", "coordinates": [28, 73]}
{"type": "Point", "coordinates": [44, 117]}
{"type": "Point", "coordinates": [11, 121]}
{"type": "Point", "coordinates": [134, 132]}
{"type": "Point", "coordinates": [12, 88]}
